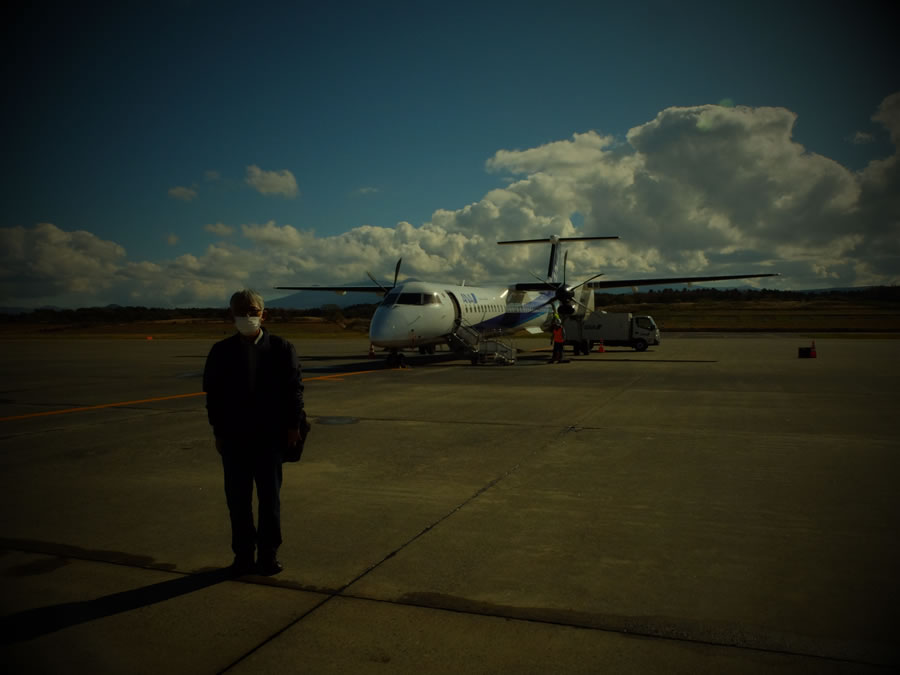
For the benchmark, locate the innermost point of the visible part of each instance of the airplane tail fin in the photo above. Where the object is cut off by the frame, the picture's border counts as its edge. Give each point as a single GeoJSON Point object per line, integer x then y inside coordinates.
{"type": "Point", "coordinates": [554, 241]}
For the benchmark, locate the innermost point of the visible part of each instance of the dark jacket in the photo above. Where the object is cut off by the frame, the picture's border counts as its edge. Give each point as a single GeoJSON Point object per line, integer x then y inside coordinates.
{"type": "Point", "coordinates": [266, 407]}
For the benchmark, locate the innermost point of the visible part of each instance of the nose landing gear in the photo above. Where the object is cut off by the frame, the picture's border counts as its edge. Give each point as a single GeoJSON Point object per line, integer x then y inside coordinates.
{"type": "Point", "coordinates": [395, 359]}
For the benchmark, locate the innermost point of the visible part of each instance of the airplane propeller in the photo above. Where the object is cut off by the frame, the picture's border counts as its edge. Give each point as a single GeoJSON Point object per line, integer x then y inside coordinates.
{"type": "Point", "coordinates": [396, 274]}
{"type": "Point", "coordinates": [563, 294]}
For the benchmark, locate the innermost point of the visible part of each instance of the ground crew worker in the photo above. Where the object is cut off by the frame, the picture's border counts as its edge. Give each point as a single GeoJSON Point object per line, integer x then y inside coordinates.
{"type": "Point", "coordinates": [558, 340]}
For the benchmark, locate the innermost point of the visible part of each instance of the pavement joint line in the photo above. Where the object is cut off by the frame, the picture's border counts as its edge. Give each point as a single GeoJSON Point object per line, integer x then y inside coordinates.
{"type": "Point", "coordinates": [340, 593]}
{"type": "Point", "coordinates": [257, 580]}
{"type": "Point", "coordinates": [74, 555]}
{"type": "Point", "coordinates": [621, 630]}
{"type": "Point", "coordinates": [469, 423]}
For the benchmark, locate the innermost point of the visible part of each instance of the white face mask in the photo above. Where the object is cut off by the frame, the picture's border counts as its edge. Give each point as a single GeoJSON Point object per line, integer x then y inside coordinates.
{"type": "Point", "coordinates": [247, 325]}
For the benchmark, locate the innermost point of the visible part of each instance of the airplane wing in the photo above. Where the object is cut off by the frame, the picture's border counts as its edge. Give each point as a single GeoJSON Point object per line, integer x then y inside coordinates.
{"type": "Point", "coordinates": [627, 283]}
{"type": "Point", "coordinates": [340, 290]}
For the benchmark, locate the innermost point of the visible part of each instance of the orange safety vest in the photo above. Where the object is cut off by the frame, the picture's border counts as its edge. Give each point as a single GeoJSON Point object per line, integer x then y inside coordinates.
{"type": "Point", "coordinates": [558, 334]}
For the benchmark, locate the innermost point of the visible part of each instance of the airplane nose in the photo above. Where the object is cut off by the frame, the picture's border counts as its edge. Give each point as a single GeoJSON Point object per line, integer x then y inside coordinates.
{"type": "Point", "coordinates": [389, 327]}
{"type": "Point", "coordinates": [401, 327]}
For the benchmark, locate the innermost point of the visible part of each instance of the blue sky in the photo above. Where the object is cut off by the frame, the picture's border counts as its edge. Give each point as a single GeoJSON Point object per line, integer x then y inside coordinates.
{"type": "Point", "coordinates": [166, 152]}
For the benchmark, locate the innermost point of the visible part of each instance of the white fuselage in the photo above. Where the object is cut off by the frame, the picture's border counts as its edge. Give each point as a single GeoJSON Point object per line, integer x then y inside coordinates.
{"type": "Point", "coordinates": [418, 313]}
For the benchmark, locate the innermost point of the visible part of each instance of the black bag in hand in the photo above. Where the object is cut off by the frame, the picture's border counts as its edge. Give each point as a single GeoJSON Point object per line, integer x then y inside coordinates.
{"type": "Point", "coordinates": [294, 452]}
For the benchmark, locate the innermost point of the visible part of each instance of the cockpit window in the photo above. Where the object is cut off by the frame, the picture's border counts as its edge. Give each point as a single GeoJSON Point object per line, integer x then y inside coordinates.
{"type": "Point", "coordinates": [398, 298]}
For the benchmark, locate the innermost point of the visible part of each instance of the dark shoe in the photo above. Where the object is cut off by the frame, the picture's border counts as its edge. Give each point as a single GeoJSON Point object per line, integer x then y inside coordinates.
{"type": "Point", "coordinates": [268, 566]}
{"type": "Point", "coordinates": [241, 565]}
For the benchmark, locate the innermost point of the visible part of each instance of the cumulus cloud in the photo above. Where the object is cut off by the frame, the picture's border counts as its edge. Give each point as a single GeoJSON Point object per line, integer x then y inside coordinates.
{"type": "Point", "coordinates": [47, 265]}
{"type": "Point", "coordinates": [742, 167]}
{"type": "Point", "coordinates": [185, 194]}
{"type": "Point", "coordinates": [270, 235]}
{"type": "Point", "coordinates": [220, 229]}
{"type": "Point", "coordinates": [861, 138]}
{"type": "Point", "coordinates": [45, 262]}
{"type": "Point", "coordinates": [280, 183]}
{"type": "Point", "coordinates": [888, 115]}
{"type": "Point", "coordinates": [706, 189]}
{"type": "Point", "coordinates": [695, 190]}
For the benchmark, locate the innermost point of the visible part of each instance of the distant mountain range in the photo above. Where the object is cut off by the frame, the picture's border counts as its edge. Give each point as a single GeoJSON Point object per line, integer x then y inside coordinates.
{"type": "Point", "coordinates": [315, 299]}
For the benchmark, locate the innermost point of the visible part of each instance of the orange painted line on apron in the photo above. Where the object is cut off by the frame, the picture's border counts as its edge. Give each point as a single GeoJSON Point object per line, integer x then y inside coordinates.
{"type": "Point", "coordinates": [338, 376]}
{"type": "Point", "coordinates": [45, 413]}
{"type": "Point", "coordinates": [98, 407]}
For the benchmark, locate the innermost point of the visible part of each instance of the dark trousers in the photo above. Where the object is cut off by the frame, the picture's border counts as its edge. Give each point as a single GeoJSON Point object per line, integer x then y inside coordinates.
{"type": "Point", "coordinates": [557, 351]}
{"type": "Point", "coordinates": [245, 464]}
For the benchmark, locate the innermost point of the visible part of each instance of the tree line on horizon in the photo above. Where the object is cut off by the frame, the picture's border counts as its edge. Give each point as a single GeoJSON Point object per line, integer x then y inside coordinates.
{"type": "Point", "coordinates": [130, 314]}
{"type": "Point", "coordinates": [700, 294]}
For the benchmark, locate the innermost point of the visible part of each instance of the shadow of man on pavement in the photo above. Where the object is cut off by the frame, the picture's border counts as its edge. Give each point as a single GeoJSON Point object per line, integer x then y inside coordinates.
{"type": "Point", "coordinates": [31, 623]}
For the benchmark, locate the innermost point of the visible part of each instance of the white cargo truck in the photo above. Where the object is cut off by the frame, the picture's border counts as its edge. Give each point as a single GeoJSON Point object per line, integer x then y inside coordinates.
{"type": "Point", "coordinates": [616, 329]}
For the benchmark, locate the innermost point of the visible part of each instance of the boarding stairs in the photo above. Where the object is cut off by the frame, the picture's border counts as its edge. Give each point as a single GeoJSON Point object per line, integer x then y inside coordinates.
{"type": "Point", "coordinates": [482, 347]}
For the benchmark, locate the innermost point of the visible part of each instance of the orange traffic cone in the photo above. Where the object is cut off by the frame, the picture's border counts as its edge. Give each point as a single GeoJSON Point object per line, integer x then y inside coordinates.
{"type": "Point", "coordinates": [600, 348]}
{"type": "Point", "coordinates": [807, 352]}
{"type": "Point", "coordinates": [371, 351]}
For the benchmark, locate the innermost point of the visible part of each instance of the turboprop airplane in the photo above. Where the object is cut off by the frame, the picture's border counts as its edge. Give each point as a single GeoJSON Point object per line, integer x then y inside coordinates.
{"type": "Point", "coordinates": [425, 314]}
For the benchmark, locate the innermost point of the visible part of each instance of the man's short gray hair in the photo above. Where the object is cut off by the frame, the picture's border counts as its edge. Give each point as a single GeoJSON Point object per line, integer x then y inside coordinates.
{"type": "Point", "coordinates": [249, 296]}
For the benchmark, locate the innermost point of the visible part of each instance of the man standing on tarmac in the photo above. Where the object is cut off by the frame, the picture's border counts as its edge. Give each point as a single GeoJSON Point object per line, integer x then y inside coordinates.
{"type": "Point", "coordinates": [254, 398]}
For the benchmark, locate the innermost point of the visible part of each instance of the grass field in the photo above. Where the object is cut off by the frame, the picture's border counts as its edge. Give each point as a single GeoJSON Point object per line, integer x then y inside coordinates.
{"type": "Point", "coordinates": [180, 329]}
{"type": "Point", "coordinates": [807, 317]}
{"type": "Point", "coordinates": [773, 316]}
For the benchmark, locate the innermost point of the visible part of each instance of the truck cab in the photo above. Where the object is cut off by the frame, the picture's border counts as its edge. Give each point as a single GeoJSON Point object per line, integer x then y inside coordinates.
{"type": "Point", "coordinates": [644, 332]}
